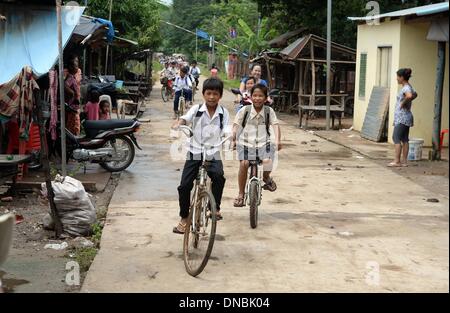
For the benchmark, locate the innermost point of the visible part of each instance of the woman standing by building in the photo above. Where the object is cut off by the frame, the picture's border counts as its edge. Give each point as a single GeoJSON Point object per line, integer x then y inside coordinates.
{"type": "Point", "coordinates": [72, 96]}
{"type": "Point", "coordinates": [403, 118]}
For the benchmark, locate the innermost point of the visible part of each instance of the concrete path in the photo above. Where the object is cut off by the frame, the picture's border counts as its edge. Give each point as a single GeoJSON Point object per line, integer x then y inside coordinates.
{"type": "Point", "coordinates": [338, 223]}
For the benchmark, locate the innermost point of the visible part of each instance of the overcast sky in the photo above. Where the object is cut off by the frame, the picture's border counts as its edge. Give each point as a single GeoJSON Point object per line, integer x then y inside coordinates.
{"type": "Point", "coordinates": [166, 1]}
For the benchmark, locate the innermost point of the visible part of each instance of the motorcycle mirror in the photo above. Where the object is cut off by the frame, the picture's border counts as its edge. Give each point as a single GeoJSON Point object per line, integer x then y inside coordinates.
{"type": "Point", "coordinates": [236, 91]}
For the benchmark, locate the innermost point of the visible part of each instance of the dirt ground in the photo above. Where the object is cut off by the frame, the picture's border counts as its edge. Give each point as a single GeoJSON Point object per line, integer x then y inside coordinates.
{"type": "Point", "coordinates": [30, 267]}
{"type": "Point", "coordinates": [336, 214]}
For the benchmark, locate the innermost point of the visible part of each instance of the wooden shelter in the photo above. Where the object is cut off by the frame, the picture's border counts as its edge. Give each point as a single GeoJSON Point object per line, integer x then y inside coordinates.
{"type": "Point", "coordinates": [299, 72]}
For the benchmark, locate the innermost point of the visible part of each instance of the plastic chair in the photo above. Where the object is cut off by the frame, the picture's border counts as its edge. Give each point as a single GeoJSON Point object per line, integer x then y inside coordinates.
{"type": "Point", "coordinates": [441, 143]}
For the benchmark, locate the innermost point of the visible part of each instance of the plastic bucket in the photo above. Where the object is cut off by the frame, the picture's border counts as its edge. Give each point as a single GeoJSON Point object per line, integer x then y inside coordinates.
{"type": "Point", "coordinates": [119, 84]}
{"type": "Point", "coordinates": [415, 149]}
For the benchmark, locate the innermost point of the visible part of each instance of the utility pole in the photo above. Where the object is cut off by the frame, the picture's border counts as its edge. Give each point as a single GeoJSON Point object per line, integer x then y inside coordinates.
{"type": "Point", "coordinates": [440, 74]}
{"type": "Point", "coordinates": [328, 99]}
{"type": "Point", "coordinates": [213, 39]}
{"type": "Point", "coordinates": [61, 89]}
{"type": "Point", "coordinates": [107, 46]}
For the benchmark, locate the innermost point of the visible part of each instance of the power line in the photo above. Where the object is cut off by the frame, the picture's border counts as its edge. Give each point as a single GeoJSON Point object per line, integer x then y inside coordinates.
{"type": "Point", "coordinates": [195, 34]}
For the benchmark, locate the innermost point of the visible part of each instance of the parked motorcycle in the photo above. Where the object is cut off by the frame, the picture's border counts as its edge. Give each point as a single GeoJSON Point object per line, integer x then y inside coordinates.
{"type": "Point", "coordinates": [110, 143]}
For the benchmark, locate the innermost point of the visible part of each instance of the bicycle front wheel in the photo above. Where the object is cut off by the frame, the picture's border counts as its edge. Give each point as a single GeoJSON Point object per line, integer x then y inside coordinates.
{"type": "Point", "coordinates": [200, 234]}
{"type": "Point", "coordinates": [164, 93]}
{"type": "Point", "coordinates": [181, 106]}
{"type": "Point", "coordinates": [254, 199]}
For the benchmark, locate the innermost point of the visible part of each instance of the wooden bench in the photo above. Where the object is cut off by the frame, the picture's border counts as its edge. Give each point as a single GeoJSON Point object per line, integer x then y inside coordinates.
{"type": "Point", "coordinates": [9, 168]}
{"type": "Point", "coordinates": [335, 110]}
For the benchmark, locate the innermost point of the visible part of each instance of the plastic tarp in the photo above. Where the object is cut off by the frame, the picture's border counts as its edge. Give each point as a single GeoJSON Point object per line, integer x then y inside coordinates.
{"type": "Point", "coordinates": [29, 37]}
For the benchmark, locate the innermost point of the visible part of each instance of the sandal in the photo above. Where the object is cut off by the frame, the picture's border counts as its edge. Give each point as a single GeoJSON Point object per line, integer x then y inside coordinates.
{"type": "Point", "coordinates": [393, 164]}
{"type": "Point", "coordinates": [218, 215]}
{"type": "Point", "coordinates": [239, 202]}
{"type": "Point", "coordinates": [180, 229]}
{"type": "Point", "coordinates": [270, 185]}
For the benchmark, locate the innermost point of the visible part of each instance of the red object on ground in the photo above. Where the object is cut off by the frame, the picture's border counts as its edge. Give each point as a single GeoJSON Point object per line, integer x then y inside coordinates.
{"type": "Point", "coordinates": [19, 219]}
{"type": "Point", "coordinates": [443, 132]}
{"type": "Point", "coordinates": [23, 147]}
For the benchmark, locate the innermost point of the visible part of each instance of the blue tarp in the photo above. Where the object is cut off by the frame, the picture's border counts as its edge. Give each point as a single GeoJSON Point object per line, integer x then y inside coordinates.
{"type": "Point", "coordinates": [110, 33]}
{"type": "Point", "coordinates": [29, 37]}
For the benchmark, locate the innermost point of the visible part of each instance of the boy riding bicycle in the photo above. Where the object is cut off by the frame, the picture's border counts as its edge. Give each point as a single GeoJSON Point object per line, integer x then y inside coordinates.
{"type": "Point", "coordinates": [195, 72]}
{"type": "Point", "coordinates": [182, 83]}
{"type": "Point", "coordinates": [257, 135]}
{"type": "Point", "coordinates": [209, 122]}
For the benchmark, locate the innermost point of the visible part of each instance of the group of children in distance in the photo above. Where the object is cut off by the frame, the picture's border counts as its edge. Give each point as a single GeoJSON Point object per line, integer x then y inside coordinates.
{"type": "Point", "coordinates": [255, 135]}
{"type": "Point", "coordinates": [95, 109]}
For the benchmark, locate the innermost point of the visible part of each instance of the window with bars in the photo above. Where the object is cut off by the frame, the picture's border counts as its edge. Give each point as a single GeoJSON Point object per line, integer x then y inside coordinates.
{"type": "Point", "coordinates": [362, 75]}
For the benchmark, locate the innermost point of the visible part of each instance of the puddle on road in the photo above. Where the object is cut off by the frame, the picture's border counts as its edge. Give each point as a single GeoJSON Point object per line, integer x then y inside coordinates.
{"type": "Point", "coordinates": [11, 283]}
{"type": "Point", "coordinates": [286, 215]}
{"type": "Point", "coordinates": [281, 201]}
{"type": "Point", "coordinates": [220, 237]}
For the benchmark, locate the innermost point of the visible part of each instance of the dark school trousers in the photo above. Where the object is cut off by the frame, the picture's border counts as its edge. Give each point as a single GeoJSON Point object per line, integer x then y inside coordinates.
{"type": "Point", "coordinates": [190, 172]}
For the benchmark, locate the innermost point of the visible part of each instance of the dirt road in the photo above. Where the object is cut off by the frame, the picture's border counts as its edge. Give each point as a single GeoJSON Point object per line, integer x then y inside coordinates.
{"type": "Point", "coordinates": [338, 223]}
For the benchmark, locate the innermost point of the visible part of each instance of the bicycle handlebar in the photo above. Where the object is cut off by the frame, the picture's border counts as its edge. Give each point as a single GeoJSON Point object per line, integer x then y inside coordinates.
{"type": "Point", "coordinates": [191, 132]}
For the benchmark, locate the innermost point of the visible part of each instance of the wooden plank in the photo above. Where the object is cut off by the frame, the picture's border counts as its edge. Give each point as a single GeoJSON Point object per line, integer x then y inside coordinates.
{"type": "Point", "coordinates": [325, 61]}
{"type": "Point", "coordinates": [313, 77]}
{"type": "Point", "coordinates": [336, 108]}
{"type": "Point", "coordinates": [322, 95]}
{"type": "Point", "coordinates": [376, 114]}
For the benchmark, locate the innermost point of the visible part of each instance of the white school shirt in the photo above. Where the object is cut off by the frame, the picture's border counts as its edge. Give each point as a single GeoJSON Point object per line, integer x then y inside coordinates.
{"type": "Point", "coordinates": [207, 129]}
{"type": "Point", "coordinates": [195, 71]}
{"type": "Point", "coordinates": [182, 83]}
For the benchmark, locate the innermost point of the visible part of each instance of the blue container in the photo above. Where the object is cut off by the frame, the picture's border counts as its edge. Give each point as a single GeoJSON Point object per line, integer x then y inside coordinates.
{"type": "Point", "coordinates": [119, 84]}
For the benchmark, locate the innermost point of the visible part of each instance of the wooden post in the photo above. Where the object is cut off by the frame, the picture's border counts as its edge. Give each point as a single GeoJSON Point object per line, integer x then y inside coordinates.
{"type": "Point", "coordinates": [328, 100]}
{"type": "Point", "coordinates": [46, 167]}
{"type": "Point", "coordinates": [312, 100]}
{"type": "Point", "coordinates": [300, 91]}
{"type": "Point", "coordinates": [107, 45]}
{"type": "Point", "coordinates": [436, 153]}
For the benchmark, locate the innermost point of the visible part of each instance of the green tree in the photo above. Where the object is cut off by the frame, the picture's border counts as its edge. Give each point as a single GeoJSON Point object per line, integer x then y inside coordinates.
{"type": "Point", "coordinates": [135, 20]}
{"type": "Point", "coordinates": [286, 15]}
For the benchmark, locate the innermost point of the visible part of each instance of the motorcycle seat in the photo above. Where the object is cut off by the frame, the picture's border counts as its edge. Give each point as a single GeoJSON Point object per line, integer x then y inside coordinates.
{"type": "Point", "coordinates": [93, 128]}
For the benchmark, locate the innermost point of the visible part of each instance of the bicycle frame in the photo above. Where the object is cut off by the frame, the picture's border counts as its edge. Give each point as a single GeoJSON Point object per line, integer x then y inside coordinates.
{"type": "Point", "coordinates": [201, 183]}
{"type": "Point", "coordinates": [254, 175]}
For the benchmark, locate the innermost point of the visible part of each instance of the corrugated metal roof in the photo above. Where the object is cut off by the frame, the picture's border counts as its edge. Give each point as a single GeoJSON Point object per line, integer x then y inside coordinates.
{"type": "Point", "coordinates": [295, 49]}
{"type": "Point", "coordinates": [419, 11]}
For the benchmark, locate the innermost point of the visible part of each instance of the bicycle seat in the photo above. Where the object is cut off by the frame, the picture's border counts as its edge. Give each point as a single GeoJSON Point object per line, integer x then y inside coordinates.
{"type": "Point", "coordinates": [255, 162]}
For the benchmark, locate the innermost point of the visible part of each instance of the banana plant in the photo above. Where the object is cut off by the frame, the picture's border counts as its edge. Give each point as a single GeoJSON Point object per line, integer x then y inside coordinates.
{"type": "Point", "coordinates": [257, 41]}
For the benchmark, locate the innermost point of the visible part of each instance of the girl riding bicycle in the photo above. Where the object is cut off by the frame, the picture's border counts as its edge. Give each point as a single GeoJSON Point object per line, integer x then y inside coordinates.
{"type": "Point", "coordinates": [257, 135]}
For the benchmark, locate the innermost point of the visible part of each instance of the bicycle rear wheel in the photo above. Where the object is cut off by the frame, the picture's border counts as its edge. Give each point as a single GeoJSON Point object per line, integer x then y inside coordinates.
{"type": "Point", "coordinates": [253, 199]}
{"type": "Point", "coordinates": [164, 93]}
{"type": "Point", "coordinates": [200, 234]}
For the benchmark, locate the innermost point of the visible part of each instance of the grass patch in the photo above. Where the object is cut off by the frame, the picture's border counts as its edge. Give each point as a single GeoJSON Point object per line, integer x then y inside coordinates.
{"type": "Point", "coordinates": [228, 83]}
{"type": "Point", "coordinates": [156, 68]}
{"type": "Point", "coordinates": [85, 257]}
